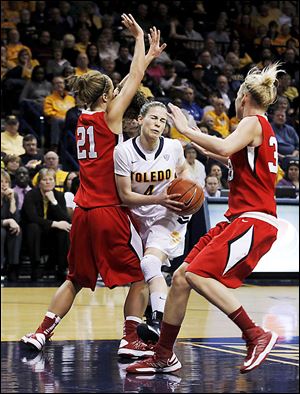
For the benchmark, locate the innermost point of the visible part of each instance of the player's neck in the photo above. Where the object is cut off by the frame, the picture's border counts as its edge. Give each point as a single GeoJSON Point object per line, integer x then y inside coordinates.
{"type": "Point", "coordinates": [253, 111]}
{"type": "Point", "coordinates": [148, 144]}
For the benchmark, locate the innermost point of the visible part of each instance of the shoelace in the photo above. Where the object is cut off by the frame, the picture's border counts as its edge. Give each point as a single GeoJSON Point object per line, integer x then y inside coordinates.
{"type": "Point", "coordinates": [259, 344]}
{"type": "Point", "coordinates": [140, 345]}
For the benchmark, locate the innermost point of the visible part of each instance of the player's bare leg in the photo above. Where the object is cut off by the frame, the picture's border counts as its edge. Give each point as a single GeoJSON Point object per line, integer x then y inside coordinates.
{"type": "Point", "coordinates": [259, 342]}
{"type": "Point", "coordinates": [63, 298]}
{"type": "Point", "coordinates": [59, 306]}
{"type": "Point", "coordinates": [136, 300]}
{"type": "Point", "coordinates": [178, 297]}
{"type": "Point", "coordinates": [164, 359]}
{"type": "Point", "coordinates": [214, 291]}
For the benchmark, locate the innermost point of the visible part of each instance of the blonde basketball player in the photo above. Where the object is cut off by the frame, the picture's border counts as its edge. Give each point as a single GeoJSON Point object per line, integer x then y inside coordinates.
{"type": "Point", "coordinates": [144, 166]}
{"type": "Point", "coordinates": [229, 252]}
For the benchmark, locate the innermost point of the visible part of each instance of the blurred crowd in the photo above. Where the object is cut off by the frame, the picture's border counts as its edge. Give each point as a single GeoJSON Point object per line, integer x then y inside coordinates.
{"type": "Point", "coordinates": [210, 48]}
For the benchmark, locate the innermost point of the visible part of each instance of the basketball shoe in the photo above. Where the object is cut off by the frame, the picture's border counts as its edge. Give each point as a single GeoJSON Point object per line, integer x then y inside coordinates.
{"type": "Point", "coordinates": [134, 348]}
{"type": "Point", "coordinates": [155, 364]}
{"type": "Point", "coordinates": [258, 348]}
{"type": "Point", "coordinates": [150, 331]}
{"type": "Point", "coordinates": [38, 339]}
{"type": "Point", "coordinates": [35, 340]}
{"type": "Point", "coordinates": [130, 345]}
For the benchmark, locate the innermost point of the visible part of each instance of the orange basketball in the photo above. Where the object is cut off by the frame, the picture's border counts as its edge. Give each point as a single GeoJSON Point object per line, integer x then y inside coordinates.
{"type": "Point", "coordinates": [192, 194]}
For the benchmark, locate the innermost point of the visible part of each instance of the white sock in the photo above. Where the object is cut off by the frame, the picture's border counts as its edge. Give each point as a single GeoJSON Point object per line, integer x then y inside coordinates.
{"type": "Point", "coordinates": [158, 301]}
{"type": "Point", "coordinates": [134, 318]}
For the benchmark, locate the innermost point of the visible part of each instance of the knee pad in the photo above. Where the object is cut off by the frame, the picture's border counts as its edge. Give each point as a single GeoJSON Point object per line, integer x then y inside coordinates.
{"type": "Point", "coordinates": [151, 267]}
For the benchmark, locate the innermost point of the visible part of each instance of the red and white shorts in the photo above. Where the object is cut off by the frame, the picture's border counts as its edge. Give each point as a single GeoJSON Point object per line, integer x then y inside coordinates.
{"type": "Point", "coordinates": [230, 251]}
{"type": "Point", "coordinates": [104, 240]}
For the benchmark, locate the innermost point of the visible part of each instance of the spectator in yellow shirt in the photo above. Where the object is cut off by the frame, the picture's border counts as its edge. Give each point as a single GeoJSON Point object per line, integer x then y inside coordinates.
{"type": "Point", "coordinates": [11, 140]}
{"type": "Point", "coordinates": [84, 40]}
{"type": "Point", "coordinates": [221, 120]}
{"type": "Point", "coordinates": [51, 161]}
{"type": "Point", "coordinates": [56, 106]}
{"type": "Point", "coordinates": [14, 46]}
{"type": "Point", "coordinates": [82, 62]}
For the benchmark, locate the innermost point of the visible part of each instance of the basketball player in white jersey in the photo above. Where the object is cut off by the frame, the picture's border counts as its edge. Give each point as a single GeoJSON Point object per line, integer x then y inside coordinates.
{"type": "Point", "coordinates": [144, 167]}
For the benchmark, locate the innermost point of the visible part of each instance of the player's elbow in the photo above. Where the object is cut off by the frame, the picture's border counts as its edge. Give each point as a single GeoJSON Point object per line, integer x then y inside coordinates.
{"type": "Point", "coordinates": [224, 151]}
{"type": "Point", "coordinates": [125, 198]}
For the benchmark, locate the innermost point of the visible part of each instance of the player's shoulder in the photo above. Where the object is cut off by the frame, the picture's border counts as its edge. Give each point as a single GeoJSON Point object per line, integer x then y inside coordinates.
{"type": "Point", "coordinates": [125, 146]}
{"type": "Point", "coordinates": [128, 144]}
{"type": "Point", "coordinates": [93, 117]}
{"type": "Point", "coordinates": [253, 120]}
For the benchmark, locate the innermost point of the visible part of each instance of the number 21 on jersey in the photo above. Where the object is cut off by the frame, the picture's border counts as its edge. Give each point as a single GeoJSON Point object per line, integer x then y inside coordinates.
{"type": "Point", "coordinates": [86, 149]}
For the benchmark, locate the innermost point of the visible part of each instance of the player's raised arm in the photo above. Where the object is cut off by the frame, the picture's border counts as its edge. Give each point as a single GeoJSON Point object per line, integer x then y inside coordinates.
{"type": "Point", "coordinates": [155, 49]}
{"type": "Point", "coordinates": [259, 90]}
{"type": "Point", "coordinates": [120, 103]}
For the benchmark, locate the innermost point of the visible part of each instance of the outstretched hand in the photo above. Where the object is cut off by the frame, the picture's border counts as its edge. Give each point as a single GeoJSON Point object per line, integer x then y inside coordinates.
{"type": "Point", "coordinates": [130, 23]}
{"type": "Point", "coordinates": [155, 48]}
{"type": "Point", "coordinates": [178, 118]}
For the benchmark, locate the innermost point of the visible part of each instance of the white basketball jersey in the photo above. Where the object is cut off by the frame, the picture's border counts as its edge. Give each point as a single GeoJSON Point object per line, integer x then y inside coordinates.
{"type": "Point", "coordinates": [150, 172]}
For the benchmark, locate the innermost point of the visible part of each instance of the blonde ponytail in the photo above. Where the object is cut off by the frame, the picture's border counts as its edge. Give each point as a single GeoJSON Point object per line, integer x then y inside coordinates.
{"type": "Point", "coordinates": [262, 84]}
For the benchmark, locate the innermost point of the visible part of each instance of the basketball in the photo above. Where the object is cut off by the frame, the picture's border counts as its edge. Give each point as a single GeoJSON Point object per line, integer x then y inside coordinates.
{"type": "Point", "coordinates": [192, 194]}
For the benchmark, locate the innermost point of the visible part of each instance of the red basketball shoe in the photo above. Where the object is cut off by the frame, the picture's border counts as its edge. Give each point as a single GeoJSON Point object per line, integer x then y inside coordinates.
{"type": "Point", "coordinates": [134, 348]}
{"type": "Point", "coordinates": [155, 364]}
{"type": "Point", "coordinates": [258, 348]}
{"type": "Point", "coordinates": [36, 340]}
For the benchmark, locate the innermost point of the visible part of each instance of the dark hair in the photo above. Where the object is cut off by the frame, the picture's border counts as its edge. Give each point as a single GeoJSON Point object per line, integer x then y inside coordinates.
{"type": "Point", "coordinates": [75, 185]}
{"type": "Point", "coordinates": [66, 180]}
{"type": "Point", "coordinates": [35, 72]}
{"type": "Point", "coordinates": [291, 162]}
{"type": "Point", "coordinates": [88, 49]}
{"type": "Point", "coordinates": [11, 119]}
{"type": "Point", "coordinates": [29, 137]}
{"type": "Point", "coordinates": [132, 112]}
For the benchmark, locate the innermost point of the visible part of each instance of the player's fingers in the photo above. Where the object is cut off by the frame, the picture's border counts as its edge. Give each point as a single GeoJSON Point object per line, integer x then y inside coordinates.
{"type": "Point", "coordinates": [176, 204]}
{"type": "Point", "coordinates": [173, 196]}
{"type": "Point", "coordinates": [132, 20]}
{"type": "Point", "coordinates": [170, 115]}
{"type": "Point", "coordinates": [174, 209]}
{"type": "Point", "coordinates": [158, 35]}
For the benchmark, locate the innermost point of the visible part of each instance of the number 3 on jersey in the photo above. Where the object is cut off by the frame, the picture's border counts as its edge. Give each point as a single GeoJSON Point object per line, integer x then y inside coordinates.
{"type": "Point", "coordinates": [272, 166]}
{"type": "Point", "coordinates": [82, 135]}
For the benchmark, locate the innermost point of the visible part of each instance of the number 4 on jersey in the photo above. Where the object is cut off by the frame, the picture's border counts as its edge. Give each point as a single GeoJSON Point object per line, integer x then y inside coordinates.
{"type": "Point", "coordinates": [149, 190]}
{"type": "Point", "coordinates": [82, 133]}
